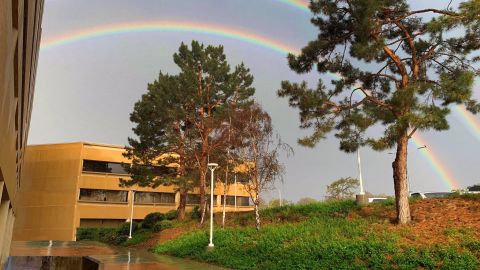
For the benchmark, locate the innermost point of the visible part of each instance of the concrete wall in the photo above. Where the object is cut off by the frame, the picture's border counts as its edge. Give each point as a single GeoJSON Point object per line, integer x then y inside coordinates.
{"type": "Point", "coordinates": [48, 196]}
{"type": "Point", "coordinates": [20, 30]}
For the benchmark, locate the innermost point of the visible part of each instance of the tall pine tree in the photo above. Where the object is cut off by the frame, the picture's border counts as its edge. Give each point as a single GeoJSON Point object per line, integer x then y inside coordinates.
{"type": "Point", "coordinates": [408, 65]}
{"type": "Point", "coordinates": [186, 114]}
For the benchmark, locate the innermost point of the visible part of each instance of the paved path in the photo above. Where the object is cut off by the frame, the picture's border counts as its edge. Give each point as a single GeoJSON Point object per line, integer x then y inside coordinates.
{"type": "Point", "coordinates": [107, 257]}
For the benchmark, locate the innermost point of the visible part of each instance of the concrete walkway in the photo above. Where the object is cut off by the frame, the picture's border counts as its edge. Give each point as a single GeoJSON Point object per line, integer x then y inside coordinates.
{"type": "Point", "coordinates": [106, 257]}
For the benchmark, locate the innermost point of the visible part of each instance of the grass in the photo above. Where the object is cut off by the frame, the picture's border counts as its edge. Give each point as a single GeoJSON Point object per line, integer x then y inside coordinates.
{"type": "Point", "coordinates": [319, 236]}
{"type": "Point", "coordinates": [138, 237]}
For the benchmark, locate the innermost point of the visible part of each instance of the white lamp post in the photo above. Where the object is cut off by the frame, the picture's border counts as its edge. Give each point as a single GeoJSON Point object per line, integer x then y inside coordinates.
{"type": "Point", "coordinates": [212, 167]}
{"type": "Point", "coordinates": [131, 214]}
{"type": "Point", "coordinates": [360, 179]}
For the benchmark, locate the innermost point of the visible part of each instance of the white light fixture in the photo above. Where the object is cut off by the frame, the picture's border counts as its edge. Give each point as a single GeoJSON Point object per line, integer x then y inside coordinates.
{"type": "Point", "coordinates": [131, 214]}
{"type": "Point", "coordinates": [212, 167]}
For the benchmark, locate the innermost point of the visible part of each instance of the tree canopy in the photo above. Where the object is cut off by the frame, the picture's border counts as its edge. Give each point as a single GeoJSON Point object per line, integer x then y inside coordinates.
{"type": "Point", "coordinates": [398, 68]}
{"type": "Point", "coordinates": [186, 115]}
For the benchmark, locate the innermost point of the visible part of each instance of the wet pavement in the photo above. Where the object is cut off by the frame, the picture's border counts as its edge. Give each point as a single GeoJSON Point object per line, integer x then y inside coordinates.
{"type": "Point", "coordinates": [107, 257]}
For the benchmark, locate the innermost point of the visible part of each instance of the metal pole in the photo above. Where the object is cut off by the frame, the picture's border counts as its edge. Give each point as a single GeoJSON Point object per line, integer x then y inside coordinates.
{"type": "Point", "coordinates": [211, 208]}
{"type": "Point", "coordinates": [131, 214]}
{"type": "Point", "coordinates": [280, 197]}
{"type": "Point", "coordinates": [224, 198]}
{"type": "Point", "coordinates": [360, 179]}
{"type": "Point", "coordinates": [235, 192]}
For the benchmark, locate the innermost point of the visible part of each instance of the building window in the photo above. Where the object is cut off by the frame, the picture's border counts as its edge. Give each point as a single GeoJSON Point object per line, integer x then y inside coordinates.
{"type": "Point", "coordinates": [103, 167]}
{"type": "Point", "coordinates": [100, 223]}
{"type": "Point", "coordinates": [154, 197]}
{"type": "Point", "coordinates": [242, 178]}
{"type": "Point", "coordinates": [103, 195]}
{"type": "Point", "coordinates": [241, 200]}
{"type": "Point", "coordinates": [195, 198]}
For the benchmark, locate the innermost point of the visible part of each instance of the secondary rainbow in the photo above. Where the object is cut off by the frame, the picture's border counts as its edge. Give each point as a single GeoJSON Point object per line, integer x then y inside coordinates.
{"type": "Point", "coordinates": [300, 4]}
{"type": "Point", "coordinates": [470, 121]}
{"type": "Point", "coordinates": [170, 26]}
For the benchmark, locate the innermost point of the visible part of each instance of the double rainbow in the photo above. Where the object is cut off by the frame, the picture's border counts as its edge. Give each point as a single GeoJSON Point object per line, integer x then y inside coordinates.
{"type": "Point", "coordinates": [226, 32]}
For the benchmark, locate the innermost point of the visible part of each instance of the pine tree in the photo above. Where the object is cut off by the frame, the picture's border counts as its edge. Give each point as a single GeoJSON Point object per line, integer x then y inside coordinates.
{"type": "Point", "coordinates": [206, 79]}
{"type": "Point", "coordinates": [408, 66]}
{"type": "Point", "coordinates": [164, 137]}
{"type": "Point", "coordinates": [185, 114]}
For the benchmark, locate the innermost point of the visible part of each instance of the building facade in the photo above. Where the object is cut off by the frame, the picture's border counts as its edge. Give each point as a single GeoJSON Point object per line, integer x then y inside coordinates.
{"type": "Point", "coordinates": [20, 30]}
{"type": "Point", "coordinates": [75, 185]}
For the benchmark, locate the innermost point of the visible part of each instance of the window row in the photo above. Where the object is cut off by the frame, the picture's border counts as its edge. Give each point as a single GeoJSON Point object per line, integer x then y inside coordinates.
{"type": "Point", "coordinates": [118, 168]}
{"type": "Point", "coordinates": [121, 196]}
{"type": "Point", "coordinates": [103, 167]}
{"type": "Point", "coordinates": [230, 200]}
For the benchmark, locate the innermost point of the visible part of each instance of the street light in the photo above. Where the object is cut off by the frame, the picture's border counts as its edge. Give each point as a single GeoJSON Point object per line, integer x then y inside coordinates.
{"type": "Point", "coordinates": [131, 214]}
{"type": "Point", "coordinates": [360, 179]}
{"type": "Point", "coordinates": [360, 198]}
{"type": "Point", "coordinates": [235, 192]}
{"type": "Point", "coordinates": [212, 167]}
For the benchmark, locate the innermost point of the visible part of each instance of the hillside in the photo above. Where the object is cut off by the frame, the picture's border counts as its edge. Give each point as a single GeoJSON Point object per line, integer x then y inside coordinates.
{"type": "Point", "coordinates": [444, 234]}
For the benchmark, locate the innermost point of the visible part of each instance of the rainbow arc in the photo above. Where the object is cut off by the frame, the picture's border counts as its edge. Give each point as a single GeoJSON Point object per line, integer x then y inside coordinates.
{"type": "Point", "coordinates": [248, 37]}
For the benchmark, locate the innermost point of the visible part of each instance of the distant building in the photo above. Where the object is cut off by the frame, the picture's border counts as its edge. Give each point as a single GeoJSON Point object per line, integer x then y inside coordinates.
{"type": "Point", "coordinates": [20, 30]}
{"type": "Point", "coordinates": [73, 185]}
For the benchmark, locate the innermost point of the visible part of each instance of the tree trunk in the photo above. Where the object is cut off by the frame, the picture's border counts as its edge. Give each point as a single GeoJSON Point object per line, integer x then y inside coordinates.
{"type": "Point", "coordinates": [182, 204]}
{"type": "Point", "coordinates": [224, 197]}
{"type": "Point", "coordinates": [203, 172]}
{"type": "Point", "coordinates": [257, 216]}
{"type": "Point", "coordinates": [401, 182]}
{"type": "Point", "coordinates": [203, 202]}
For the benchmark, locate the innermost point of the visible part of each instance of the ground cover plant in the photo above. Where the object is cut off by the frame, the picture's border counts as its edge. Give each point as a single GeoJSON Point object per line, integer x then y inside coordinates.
{"type": "Point", "coordinates": [340, 235]}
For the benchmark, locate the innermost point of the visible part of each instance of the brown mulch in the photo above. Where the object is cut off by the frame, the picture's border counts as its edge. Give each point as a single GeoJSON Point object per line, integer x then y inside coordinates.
{"type": "Point", "coordinates": [164, 236]}
{"type": "Point", "coordinates": [434, 221]}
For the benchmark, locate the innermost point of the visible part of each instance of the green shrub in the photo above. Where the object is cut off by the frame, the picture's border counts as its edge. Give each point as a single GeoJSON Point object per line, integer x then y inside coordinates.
{"type": "Point", "coordinates": [138, 237]}
{"type": "Point", "coordinates": [166, 224]}
{"type": "Point", "coordinates": [124, 229]}
{"type": "Point", "coordinates": [151, 219]}
{"type": "Point", "coordinates": [196, 214]}
{"type": "Point", "coordinates": [171, 215]}
{"type": "Point", "coordinates": [157, 227]}
{"type": "Point", "coordinates": [162, 225]}
{"type": "Point", "coordinates": [87, 234]}
{"type": "Point", "coordinates": [114, 236]}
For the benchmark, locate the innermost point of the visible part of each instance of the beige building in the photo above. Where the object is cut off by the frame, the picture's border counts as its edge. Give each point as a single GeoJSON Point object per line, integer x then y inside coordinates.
{"type": "Point", "coordinates": [73, 185]}
{"type": "Point", "coordinates": [20, 29]}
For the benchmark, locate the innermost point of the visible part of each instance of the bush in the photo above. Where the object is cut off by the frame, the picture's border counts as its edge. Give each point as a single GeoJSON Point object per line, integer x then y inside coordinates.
{"type": "Point", "coordinates": [124, 229]}
{"type": "Point", "coordinates": [196, 214]}
{"type": "Point", "coordinates": [171, 215]}
{"type": "Point", "coordinates": [140, 236]}
{"type": "Point", "coordinates": [114, 236]}
{"type": "Point", "coordinates": [87, 234]}
{"type": "Point", "coordinates": [166, 224]}
{"type": "Point", "coordinates": [157, 227]}
{"type": "Point", "coordinates": [162, 225]}
{"type": "Point", "coordinates": [151, 219]}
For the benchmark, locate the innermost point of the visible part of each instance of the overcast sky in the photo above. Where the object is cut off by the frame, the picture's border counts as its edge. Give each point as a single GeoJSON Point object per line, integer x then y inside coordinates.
{"type": "Point", "coordinates": [85, 91]}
